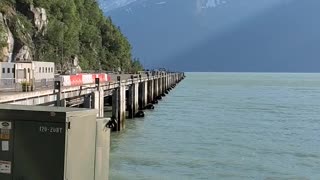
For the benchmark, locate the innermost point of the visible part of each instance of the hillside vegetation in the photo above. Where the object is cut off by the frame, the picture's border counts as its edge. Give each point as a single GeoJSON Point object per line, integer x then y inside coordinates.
{"type": "Point", "coordinates": [61, 30]}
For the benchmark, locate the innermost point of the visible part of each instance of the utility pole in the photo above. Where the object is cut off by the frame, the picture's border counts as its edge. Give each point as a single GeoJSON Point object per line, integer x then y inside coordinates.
{"type": "Point", "coordinates": [62, 43]}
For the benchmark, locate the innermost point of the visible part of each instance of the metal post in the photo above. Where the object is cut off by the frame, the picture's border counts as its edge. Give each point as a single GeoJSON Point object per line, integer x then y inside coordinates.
{"type": "Point", "coordinates": [97, 82]}
{"type": "Point", "coordinates": [57, 89]}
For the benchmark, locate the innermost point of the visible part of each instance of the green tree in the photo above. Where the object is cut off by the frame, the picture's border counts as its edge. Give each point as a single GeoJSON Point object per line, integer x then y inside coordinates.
{"type": "Point", "coordinates": [136, 65]}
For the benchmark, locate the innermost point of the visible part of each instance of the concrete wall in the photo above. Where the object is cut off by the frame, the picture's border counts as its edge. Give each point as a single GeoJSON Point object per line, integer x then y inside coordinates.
{"type": "Point", "coordinates": [6, 70]}
{"type": "Point", "coordinates": [43, 70]}
{"type": "Point", "coordinates": [23, 72]}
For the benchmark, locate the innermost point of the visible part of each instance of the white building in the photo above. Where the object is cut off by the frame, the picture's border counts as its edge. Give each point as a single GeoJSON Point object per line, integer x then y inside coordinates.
{"type": "Point", "coordinates": [7, 70]}
{"type": "Point", "coordinates": [27, 71]}
{"type": "Point", "coordinates": [43, 70]}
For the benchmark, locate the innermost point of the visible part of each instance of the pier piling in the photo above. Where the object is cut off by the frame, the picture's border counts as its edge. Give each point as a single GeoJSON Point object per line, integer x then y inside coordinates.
{"type": "Point", "coordinates": [98, 102]}
{"type": "Point", "coordinates": [156, 88]}
{"type": "Point", "coordinates": [119, 105]}
{"type": "Point", "coordinates": [143, 94]}
{"type": "Point", "coordinates": [133, 99]}
{"type": "Point", "coordinates": [150, 89]}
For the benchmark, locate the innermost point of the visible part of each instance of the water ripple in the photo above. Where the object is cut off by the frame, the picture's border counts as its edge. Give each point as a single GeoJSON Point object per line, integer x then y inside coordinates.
{"type": "Point", "coordinates": [226, 126]}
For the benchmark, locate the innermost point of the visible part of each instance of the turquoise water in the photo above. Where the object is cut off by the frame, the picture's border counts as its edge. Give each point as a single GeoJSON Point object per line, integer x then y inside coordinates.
{"type": "Point", "coordinates": [226, 126]}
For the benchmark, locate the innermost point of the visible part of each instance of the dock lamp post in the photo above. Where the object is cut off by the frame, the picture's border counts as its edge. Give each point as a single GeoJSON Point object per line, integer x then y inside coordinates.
{"type": "Point", "coordinates": [57, 90]}
{"type": "Point", "coordinates": [97, 82]}
{"type": "Point", "coordinates": [57, 86]}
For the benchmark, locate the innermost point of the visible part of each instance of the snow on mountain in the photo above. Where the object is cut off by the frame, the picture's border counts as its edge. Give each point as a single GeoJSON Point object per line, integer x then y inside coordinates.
{"type": "Point", "coordinates": [161, 3]}
{"type": "Point", "coordinates": [202, 5]}
{"type": "Point", "coordinates": [214, 3]}
{"type": "Point", "coordinates": [108, 5]}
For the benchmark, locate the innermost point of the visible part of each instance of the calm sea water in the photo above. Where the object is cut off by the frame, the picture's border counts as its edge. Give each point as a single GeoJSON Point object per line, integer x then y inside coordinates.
{"type": "Point", "coordinates": [226, 126]}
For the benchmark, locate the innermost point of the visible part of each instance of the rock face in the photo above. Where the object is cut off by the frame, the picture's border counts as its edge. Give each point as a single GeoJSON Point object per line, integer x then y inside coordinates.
{"type": "Point", "coordinates": [75, 64]}
{"type": "Point", "coordinates": [40, 19]}
{"type": "Point", "coordinates": [7, 39]}
{"type": "Point", "coordinates": [24, 55]}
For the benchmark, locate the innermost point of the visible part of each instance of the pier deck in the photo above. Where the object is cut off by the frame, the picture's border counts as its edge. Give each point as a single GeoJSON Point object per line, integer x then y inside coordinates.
{"type": "Point", "coordinates": [128, 93]}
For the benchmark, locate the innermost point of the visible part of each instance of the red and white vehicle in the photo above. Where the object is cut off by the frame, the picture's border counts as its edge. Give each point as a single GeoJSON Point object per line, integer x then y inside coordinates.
{"type": "Point", "coordinates": [82, 79]}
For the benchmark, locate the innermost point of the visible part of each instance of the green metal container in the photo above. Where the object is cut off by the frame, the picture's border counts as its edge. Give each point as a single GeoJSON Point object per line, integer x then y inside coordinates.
{"type": "Point", "coordinates": [47, 143]}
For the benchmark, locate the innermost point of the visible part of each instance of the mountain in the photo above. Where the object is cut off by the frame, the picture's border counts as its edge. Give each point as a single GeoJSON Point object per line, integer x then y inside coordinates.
{"type": "Point", "coordinates": [222, 35]}
{"type": "Point", "coordinates": [61, 31]}
{"type": "Point", "coordinates": [109, 5]}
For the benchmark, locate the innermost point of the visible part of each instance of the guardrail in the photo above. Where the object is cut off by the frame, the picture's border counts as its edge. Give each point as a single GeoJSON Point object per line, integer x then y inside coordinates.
{"type": "Point", "coordinates": [9, 84]}
{"type": "Point", "coordinates": [44, 84]}
{"type": "Point", "coordinates": [12, 85]}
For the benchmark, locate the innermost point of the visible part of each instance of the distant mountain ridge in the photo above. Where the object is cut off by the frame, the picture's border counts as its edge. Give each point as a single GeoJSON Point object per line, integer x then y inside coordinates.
{"type": "Point", "coordinates": [222, 35]}
{"type": "Point", "coordinates": [109, 5]}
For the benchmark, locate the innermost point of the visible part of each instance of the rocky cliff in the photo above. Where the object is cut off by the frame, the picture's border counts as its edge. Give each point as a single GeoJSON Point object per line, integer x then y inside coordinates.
{"type": "Point", "coordinates": [58, 31]}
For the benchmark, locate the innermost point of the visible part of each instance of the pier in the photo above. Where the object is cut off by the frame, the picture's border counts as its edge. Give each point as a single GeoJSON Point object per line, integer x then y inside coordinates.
{"type": "Point", "coordinates": [74, 132]}
{"type": "Point", "coordinates": [126, 95]}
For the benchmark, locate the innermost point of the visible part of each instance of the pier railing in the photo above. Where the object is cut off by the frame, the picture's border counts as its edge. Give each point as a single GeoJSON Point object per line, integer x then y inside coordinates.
{"type": "Point", "coordinates": [12, 85]}
{"type": "Point", "coordinates": [9, 84]}
{"type": "Point", "coordinates": [44, 84]}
